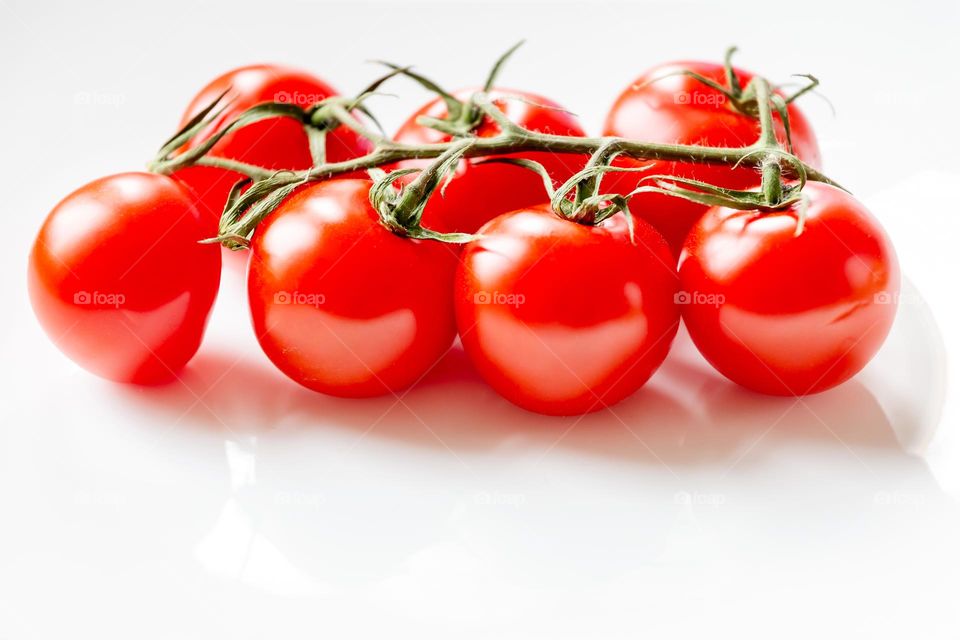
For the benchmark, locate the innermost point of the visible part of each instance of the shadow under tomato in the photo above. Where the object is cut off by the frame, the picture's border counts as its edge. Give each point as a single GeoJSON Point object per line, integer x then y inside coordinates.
{"type": "Point", "coordinates": [685, 415]}
{"type": "Point", "coordinates": [309, 506]}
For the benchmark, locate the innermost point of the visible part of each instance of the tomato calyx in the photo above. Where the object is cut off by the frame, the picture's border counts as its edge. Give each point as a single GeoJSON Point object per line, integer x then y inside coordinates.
{"type": "Point", "coordinates": [774, 194]}
{"type": "Point", "coordinates": [317, 119]}
{"type": "Point", "coordinates": [579, 199]}
{"type": "Point", "coordinates": [746, 100]}
{"type": "Point", "coordinates": [172, 156]}
{"type": "Point", "coordinates": [400, 209]}
{"type": "Point", "coordinates": [334, 111]}
{"type": "Point", "coordinates": [463, 116]}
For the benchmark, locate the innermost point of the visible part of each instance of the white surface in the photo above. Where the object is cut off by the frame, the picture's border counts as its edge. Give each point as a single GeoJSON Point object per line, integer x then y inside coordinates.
{"type": "Point", "coordinates": [238, 505]}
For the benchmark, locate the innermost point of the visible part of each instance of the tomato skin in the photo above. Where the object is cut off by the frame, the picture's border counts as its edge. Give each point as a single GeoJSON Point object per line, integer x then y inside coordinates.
{"type": "Point", "coordinates": [275, 143]}
{"type": "Point", "coordinates": [481, 192]}
{"type": "Point", "coordinates": [680, 109]}
{"type": "Point", "coordinates": [119, 281]}
{"type": "Point", "coordinates": [562, 318]}
{"type": "Point", "coordinates": [342, 305]}
{"type": "Point", "coordinates": [787, 315]}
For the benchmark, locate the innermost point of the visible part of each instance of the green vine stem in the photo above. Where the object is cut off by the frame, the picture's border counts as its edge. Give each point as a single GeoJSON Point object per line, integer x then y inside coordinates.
{"type": "Point", "coordinates": [771, 182]}
{"type": "Point", "coordinates": [400, 212]}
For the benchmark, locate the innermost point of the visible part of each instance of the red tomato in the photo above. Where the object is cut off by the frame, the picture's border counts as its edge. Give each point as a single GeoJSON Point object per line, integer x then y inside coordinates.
{"type": "Point", "coordinates": [562, 318]}
{"type": "Point", "coordinates": [480, 193]}
{"type": "Point", "coordinates": [680, 109]}
{"type": "Point", "coordinates": [275, 143]}
{"type": "Point", "coordinates": [119, 280]}
{"type": "Point", "coordinates": [785, 314]}
{"type": "Point", "coordinates": [342, 305]}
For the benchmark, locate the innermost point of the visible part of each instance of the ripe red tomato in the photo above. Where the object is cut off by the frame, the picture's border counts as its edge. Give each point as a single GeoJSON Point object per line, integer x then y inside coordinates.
{"type": "Point", "coordinates": [680, 109]}
{"type": "Point", "coordinates": [785, 314]}
{"type": "Point", "coordinates": [118, 278]}
{"type": "Point", "coordinates": [342, 305]}
{"type": "Point", "coordinates": [275, 143]}
{"type": "Point", "coordinates": [481, 192]}
{"type": "Point", "coordinates": [562, 318]}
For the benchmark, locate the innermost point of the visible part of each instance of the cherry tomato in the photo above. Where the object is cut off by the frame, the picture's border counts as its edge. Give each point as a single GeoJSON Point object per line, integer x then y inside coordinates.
{"type": "Point", "coordinates": [275, 143]}
{"type": "Point", "coordinates": [118, 278]}
{"type": "Point", "coordinates": [680, 109]}
{"type": "Point", "coordinates": [342, 305]}
{"type": "Point", "coordinates": [562, 318]}
{"type": "Point", "coordinates": [481, 192]}
{"type": "Point", "coordinates": [789, 314]}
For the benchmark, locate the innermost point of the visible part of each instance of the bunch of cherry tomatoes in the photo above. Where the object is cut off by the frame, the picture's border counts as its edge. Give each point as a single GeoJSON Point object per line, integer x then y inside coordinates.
{"type": "Point", "coordinates": [559, 317]}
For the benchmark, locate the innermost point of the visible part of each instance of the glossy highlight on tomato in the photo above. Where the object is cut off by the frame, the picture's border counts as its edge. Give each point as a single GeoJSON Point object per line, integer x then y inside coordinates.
{"type": "Point", "coordinates": [341, 304]}
{"type": "Point", "coordinates": [480, 192]}
{"type": "Point", "coordinates": [119, 280]}
{"type": "Point", "coordinates": [789, 314]}
{"type": "Point", "coordinates": [274, 143]}
{"type": "Point", "coordinates": [659, 107]}
{"type": "Point", "coordinates": [563, 318]}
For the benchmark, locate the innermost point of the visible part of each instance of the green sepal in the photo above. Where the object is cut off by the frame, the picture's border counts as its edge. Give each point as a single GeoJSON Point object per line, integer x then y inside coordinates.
{"type": "Point", "coordinates": [711, 195]}
{"type": "Point", "coordinates": [498, 66]}
{"type": "Point", "coordinates": [454, 106]}
{"type": "Point", "coordinates": [814, 83]}
{"type": "Point", "coordinates": [190, 129]}
{"type": "Point", "coordinates": [422, 233]}
{"type": "Point", "coordinates": [781, 106]}
{"type": "Point", "coordinates": [254, 114]}
{"type": "Point", "coordinates": [231, 202]}
{"type": "Point", "coordinates": [318, 143]}
{"type": "Point", "coordinates": [531, 165]}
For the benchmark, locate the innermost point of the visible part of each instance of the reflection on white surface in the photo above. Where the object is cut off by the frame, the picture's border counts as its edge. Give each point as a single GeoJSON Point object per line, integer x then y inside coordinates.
{"type": "Point", "coordinates": [242, 463]}
{"type": "Point", "coordinates": [234, 549]}
{"type": "Point", "coordinates": [909, 375]}
{"type": "Point", "coordinates": [445, 581]}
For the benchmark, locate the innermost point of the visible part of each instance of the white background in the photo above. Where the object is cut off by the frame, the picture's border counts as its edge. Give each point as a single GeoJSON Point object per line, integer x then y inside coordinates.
{"type": "Point", "coordinates": [235, 504]}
